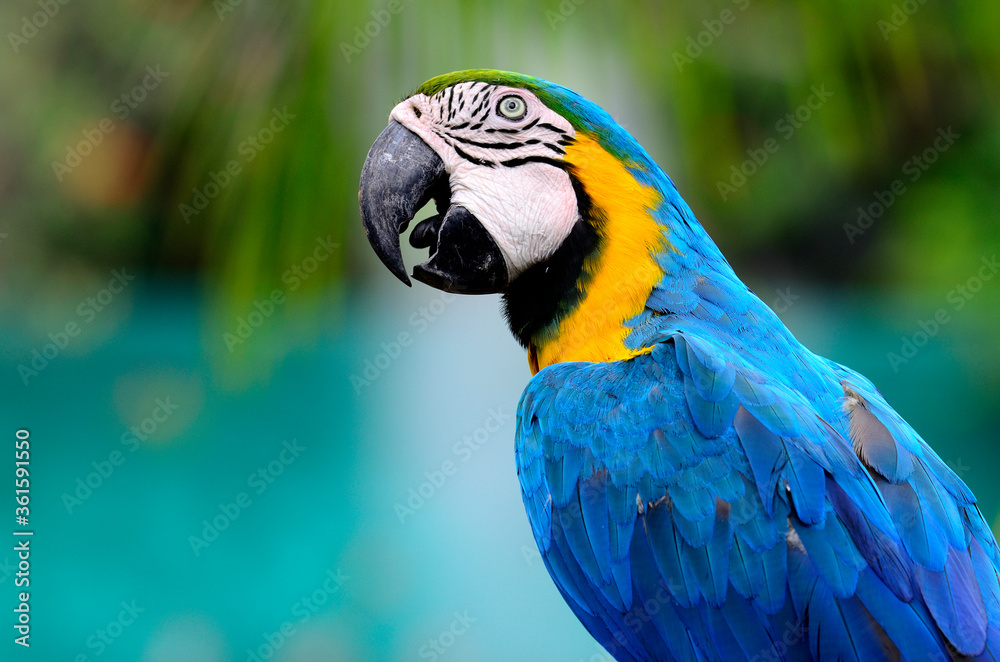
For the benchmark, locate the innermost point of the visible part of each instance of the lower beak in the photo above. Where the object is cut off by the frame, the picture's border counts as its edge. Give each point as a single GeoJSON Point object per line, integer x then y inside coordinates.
{"type": "Point", "coordinates": [401, 174]}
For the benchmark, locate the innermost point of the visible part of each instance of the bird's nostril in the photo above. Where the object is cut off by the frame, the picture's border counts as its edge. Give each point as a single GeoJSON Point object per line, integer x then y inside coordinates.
{"type": "Point", "coordinates": [416, 111]}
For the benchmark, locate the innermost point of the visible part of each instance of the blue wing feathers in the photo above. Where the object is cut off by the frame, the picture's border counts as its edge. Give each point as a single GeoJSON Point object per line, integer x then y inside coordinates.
{"type": "Point", "coordinates": [562, 471]}
{"type": "Point", "coordinates": [954, 600]}
{"type": "Point", "coordinates": [665, 544]}
{"type": "Point", "coordinates": [759, 530]}
{"type": "Point", "coordinates": [806, 485]}
{"type": "Point", "coordinates": [711, 418]}
{"type": "Point", "coordinates": [578, 540]}
{"type": "Point", "coordinates": [766, 454]}
{"type": "Point", "coordinates": [710, 562]}
{"type": "Point", "coordinates": [724, 635]}
{"type": "Point", "coordinates": [907, 623]}
{"type": "Point", "coordinates": [941, 506]}
{"type": "Point", "coordinates": [659, 457]}
{"type": "Point", "coordinates": [751, 389]}
{"type": "Point", "coordinates": [774, 568]}
{"type": "Point", "coordinates": [840, 576]}
{"type": "Point", "coordinates": [921, 536]}
{"type": "Point", "coordinates": [730, 488]}
{"type": "Point", "coordinates": [692, 507]}
{"type": "Point", "coordinates": [878, 447]}
{"type": "Point", "coordinates": [880, 550]}
{"type": "Point", "coordinates": [696, 533]}
{"type": "Point", "coordinates": [986, 576]}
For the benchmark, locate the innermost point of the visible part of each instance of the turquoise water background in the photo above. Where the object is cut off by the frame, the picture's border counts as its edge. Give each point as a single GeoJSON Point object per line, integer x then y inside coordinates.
{"type": "Point", "coordinates": [394, 529]}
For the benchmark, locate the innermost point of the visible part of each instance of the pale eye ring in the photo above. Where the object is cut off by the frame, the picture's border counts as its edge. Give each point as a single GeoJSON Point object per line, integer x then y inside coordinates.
{"type": "Point", "coordinates": [512, 107]}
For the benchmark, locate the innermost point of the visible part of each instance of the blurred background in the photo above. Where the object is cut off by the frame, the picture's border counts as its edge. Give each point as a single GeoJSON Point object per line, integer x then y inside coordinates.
{"type": "Point", "coordinates": [251, 443]}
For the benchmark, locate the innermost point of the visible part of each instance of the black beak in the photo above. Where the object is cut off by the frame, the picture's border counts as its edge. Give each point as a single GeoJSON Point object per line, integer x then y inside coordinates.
{"type": "Point", "coordinates": [401, 174]}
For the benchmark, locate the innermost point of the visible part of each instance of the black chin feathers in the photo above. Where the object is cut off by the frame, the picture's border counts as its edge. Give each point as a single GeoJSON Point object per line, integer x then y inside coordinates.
{"type": "Point", "coordinates": [546, 292]}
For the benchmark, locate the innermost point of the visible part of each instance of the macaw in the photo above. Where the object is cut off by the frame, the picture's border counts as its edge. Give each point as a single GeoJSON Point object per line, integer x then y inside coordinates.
{"type": "Point", "coordinates": [700, 485]}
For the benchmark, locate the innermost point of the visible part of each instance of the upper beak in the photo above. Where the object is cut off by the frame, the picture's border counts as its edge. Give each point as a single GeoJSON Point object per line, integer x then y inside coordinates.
{"type": "Point", "coordinates": [396, 181]}
{"type": "Point", "coordinates": [401, 174]}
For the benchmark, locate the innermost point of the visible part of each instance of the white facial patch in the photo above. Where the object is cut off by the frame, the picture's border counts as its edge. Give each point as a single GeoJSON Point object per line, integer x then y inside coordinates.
{"type": "Point", "coordinates": [502, 148]}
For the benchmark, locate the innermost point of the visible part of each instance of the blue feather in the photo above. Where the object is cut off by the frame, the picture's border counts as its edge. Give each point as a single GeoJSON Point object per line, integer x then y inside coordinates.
{"type": "Point", "coordinates": [711, 374]}
{"type": "Point", "coordinates": [938, 505]}
{"type": "Point", "coordinates": [577, 539]}
{"type": "Point", "coordinates": [751, 632]}
{"type": "Point", "coordinates": [557, 566]}
{"type": "Point", "coordinates": [659, 456]}
{"type": "Point", "coordinates": [840, 577]}
{"type": "Point", "coordinates": [954, 600]}
{"type": "Point", "coordinates": [923, 538]}
{"type": "Point", "coordinates": [692, 505]}
{"type": "Point", "coordinates": [710, 562]}
{"type": "Point", "coordinates": [711, 418]}
{"type": "Point", "coordinates": [773, 592]}
{"type": "Point", "coordinates": [879, 549]}
{"type": "Point", "coordinates": [807, 485]}
{"type": "Point", "coordinates": [696, 533]}
{"type": "Point", "coordinates": [766, 454]}
{"type": "Point", "coordinates": [562, 471]}
{"type": "Point", "coordinates": [595, 524]}
{"type": "Point", "coordinates": [665, 544]}
{"type": "Point", "coordinates": [908, 624]}
{"type": "Point", "coordinates": [724, 635]}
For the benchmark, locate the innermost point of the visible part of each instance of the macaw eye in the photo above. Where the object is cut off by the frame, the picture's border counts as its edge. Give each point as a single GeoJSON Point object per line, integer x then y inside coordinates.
{"type": "Point", "coordinates": [512, 107]}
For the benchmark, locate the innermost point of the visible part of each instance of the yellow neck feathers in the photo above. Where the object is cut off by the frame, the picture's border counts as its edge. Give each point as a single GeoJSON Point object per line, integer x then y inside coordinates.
{"type": "Point", "coordinates": [620, 275]}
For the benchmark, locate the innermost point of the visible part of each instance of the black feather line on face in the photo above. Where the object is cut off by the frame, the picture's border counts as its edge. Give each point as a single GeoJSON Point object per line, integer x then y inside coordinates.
{"type": "Point", "coordinates": [473, 159]}
{"type": "Point", "coordinates": [474, 143]}
{"type": "Point", "coordinates": [513, 163]}
{"type": "Point", "coordinates": [546, 292]}
{"type": "Point", "coordinates": [546, 125]}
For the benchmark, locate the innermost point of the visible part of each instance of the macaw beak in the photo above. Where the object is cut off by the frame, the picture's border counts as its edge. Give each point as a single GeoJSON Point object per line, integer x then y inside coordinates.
{"type": "Point", "coordinates": [402, 174]}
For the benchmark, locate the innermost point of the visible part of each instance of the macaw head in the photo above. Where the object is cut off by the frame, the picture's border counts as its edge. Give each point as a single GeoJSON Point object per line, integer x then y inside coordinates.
{"type": "Point", "coordinates": [540, 196]}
